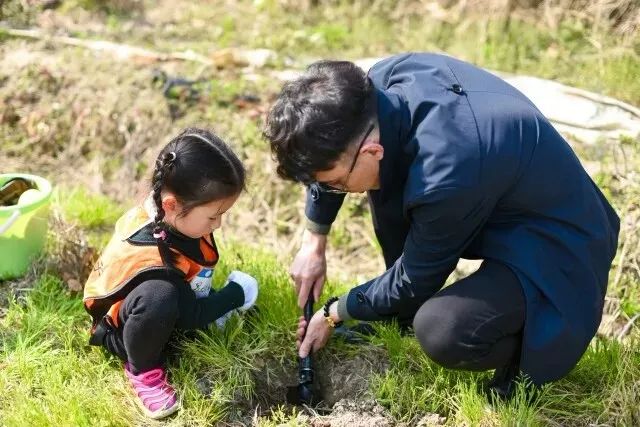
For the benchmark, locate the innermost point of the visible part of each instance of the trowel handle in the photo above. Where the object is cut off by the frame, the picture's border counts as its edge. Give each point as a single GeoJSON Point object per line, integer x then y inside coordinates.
{"type": "Point", "coordinates": [308, 308]}
{"type": "Point", "coordinates": [306, 363]}
{"type": "Point", "coordinates": [308, 312]}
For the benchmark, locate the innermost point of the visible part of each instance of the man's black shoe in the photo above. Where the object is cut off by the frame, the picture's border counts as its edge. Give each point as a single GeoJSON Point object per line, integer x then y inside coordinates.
{"type": "Point", "coordinates": [503, 384]}
{"type": "Point", "coordinates": [355, 334]}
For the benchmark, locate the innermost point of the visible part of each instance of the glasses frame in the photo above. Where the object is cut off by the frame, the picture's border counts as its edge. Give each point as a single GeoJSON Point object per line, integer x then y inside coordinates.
{"type": "Point", "coordinates": [326, 188]}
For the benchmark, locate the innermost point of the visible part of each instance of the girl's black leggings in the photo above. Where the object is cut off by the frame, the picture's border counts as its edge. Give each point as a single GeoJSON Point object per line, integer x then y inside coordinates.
{"type": "Point", "coordinates": [152, 311]}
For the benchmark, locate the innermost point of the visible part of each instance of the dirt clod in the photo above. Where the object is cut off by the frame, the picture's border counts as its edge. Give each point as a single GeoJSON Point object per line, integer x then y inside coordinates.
{"type": "Point", "coordinates": [341, 377]}
{"type": "Point", "coordinates": [351, 413]}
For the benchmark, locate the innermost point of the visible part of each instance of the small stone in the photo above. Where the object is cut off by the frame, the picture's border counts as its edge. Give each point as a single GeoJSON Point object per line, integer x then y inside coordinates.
{"type": "Point", "coordinates": [203, 385]}
{"type": "Point", "coordinates": [430, 420]}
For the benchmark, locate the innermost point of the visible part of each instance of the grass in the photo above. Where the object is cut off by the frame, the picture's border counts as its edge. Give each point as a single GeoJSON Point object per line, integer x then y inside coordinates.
{"type": "Point", "coordinates": [573, 51]}
{"type": "Point", "coordinates": [76, 116]}
{"type": "Point", "coordinates": [50, 376]}
{"type": "Point", "coordinates": [87, 210]}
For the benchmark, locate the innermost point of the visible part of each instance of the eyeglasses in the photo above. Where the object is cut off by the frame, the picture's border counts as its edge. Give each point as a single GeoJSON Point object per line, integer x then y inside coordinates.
{"type": "Point", "coordinates": [326, 188]}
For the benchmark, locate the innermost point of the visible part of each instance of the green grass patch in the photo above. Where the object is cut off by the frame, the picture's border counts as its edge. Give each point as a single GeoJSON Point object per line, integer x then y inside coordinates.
{"type": "Point", "coordinates": [86, 209]}
{"type": "Point", "coordinates": [50, 376]}
{"type": "Point", "coordinates": [48, 373]}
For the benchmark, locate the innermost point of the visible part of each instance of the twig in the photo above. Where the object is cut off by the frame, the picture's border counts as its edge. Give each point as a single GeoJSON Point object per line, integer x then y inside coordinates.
{"type": "Point", "coordinates": [121, 51]}
{"type": "Point", "coordinates": [602, 100]}
{"type": "Point", "coordinates": [627, 327]}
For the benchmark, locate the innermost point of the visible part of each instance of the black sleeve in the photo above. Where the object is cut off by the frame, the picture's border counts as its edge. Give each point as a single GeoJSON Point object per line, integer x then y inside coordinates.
{"type": "Point", "coordinates": [198, 313]}
{"type": "Point", "coordinates": [321, 207]}
{"type": "Point", "coordinates": [440, 231]}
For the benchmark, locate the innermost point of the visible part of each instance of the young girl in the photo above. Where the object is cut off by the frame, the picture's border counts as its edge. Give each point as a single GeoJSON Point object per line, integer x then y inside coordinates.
{"type": "Point", "coordinates": [155, 274]}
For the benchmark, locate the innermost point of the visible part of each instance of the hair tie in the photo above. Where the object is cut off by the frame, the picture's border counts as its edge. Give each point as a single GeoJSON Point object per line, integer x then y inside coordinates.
{"type": "Point", "coordinates": [162, 235]}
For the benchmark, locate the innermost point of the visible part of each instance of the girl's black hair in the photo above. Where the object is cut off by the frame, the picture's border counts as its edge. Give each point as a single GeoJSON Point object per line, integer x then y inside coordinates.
{"type": "Point", "coordinates": [198, 168]}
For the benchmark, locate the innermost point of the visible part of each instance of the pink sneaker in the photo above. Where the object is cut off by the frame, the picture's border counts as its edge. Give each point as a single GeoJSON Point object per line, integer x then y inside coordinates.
{"type": "Point", "coordinates": [156, 397]}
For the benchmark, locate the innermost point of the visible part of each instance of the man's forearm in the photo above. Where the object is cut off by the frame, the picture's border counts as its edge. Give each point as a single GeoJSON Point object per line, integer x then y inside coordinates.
{"type": "Point", "coordinates": [341, 311]}
{"type": "Point", "coordinates": [334, 313]}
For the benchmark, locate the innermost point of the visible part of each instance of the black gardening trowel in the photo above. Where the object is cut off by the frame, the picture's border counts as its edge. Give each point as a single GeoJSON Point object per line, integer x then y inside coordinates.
{"type": "Point", "coordinates": [303, 393]}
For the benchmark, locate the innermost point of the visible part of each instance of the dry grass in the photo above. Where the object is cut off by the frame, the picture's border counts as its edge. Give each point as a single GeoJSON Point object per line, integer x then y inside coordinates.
{"type": "Point", "coordinates": [85, 119]}
{"type": "Point", "coordinates": [82, 118]}
{"type": "Point", "coordinates": [69, 117]}
{"type": "Point", "coordinates": [623, 16]}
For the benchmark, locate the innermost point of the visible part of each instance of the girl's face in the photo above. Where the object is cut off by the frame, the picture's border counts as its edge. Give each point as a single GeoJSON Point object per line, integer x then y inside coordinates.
{"type": "Point", "coordinates": [201, 220]}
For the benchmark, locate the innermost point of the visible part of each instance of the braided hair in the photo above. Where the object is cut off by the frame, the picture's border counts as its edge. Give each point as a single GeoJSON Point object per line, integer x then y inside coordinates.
{"type": "Point", "coordinates": [197, 167]}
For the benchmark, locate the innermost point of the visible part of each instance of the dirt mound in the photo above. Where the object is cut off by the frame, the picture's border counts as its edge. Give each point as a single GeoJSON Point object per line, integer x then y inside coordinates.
{"type": "Point", "coordinates": [350, 413]}
{"type": "Point", "coordinates": [341, 377]}
{"type": "Point", "coordinates": [362, 413]}
{"type": "Point", "coordinates": [367, 413]}
{"type": "Point", "coordinates": [342, 380]}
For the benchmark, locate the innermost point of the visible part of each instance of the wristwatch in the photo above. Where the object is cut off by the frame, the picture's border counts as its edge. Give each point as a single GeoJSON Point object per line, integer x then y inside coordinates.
{"type": "Point", "coordinates": [327, 316]}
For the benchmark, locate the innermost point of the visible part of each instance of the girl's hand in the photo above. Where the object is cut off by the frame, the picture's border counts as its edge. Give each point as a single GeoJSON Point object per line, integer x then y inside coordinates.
{"type": "Point", "coordinates": [317, 334]}
{"type": "Point", "coordinates": [249, 286]}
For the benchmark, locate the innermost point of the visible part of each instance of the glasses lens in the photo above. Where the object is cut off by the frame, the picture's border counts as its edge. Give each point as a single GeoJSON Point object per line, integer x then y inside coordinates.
{"type": "Point", "coordinates": [329, 189]}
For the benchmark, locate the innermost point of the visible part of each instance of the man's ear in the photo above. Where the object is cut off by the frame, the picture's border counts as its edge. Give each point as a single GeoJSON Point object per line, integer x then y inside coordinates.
{"type": "Point", "coordinates": [373, 148]}
{"type": "Point", "coordinates": [169, 204]}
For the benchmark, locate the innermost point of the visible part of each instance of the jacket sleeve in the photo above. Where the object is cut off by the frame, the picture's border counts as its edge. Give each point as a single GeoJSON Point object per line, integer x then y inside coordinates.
{"type": "Point", "coordinates": [443, 224]}
{"type": "Point", "coordinates": [321, 209]}
{"type": "Point", "coordinates": [198, 313]}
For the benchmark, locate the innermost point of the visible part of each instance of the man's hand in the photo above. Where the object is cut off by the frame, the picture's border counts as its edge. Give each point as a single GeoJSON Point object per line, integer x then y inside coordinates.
{"type": "Point", "coordinates": [309, 267]}
{"type": "Point", "coordinates": [317, 334]}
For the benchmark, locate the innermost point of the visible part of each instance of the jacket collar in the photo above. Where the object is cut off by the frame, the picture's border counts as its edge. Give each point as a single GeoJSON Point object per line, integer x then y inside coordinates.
{"type": "Point", "coordinates": [394, 123]}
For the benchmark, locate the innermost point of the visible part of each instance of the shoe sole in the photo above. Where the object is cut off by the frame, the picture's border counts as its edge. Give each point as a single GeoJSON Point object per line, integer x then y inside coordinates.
{"type": "Point", "coordinates": [157, 415]}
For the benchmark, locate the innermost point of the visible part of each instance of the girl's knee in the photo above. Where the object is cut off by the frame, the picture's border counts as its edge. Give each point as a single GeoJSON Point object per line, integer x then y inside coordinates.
{"type": "Point", "coordinates": [154, 299]}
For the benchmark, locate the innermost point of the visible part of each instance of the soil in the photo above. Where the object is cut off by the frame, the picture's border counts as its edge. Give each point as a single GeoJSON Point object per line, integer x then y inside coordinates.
{"type": "Point", "coordinates": [353, 413]}
{"type": "Point", "coordinates": [341, 381]}
{"type": "Point", "coordinates": [337, 377]}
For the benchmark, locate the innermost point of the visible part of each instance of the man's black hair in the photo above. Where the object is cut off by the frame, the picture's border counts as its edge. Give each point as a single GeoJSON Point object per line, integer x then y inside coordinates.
{"type": "Point", "coordinates": [317, 116]}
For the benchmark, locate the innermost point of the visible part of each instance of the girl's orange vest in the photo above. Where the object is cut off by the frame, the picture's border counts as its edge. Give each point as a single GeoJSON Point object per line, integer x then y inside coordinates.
{"type": "Point", "coordinates": [130, 258]}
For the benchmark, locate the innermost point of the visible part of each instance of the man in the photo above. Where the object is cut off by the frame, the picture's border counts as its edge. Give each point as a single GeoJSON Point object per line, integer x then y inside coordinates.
{"type": "Point", "coordinates": [457, 164]}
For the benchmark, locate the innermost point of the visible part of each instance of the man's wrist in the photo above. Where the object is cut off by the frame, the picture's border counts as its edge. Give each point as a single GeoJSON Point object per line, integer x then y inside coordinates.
{"type": "Point", "coordinates": [317, 242]}
{"type": "Point", "coordinates": [333, 312]}
{"type": "Point", "coordinates": [330, 312]}
{"type": "Point", "coordinates": [341, 308]}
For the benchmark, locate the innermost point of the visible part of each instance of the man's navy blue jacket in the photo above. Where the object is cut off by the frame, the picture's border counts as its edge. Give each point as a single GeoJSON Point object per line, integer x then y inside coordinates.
{"type": "Point", "coordinates": [472, 169]}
